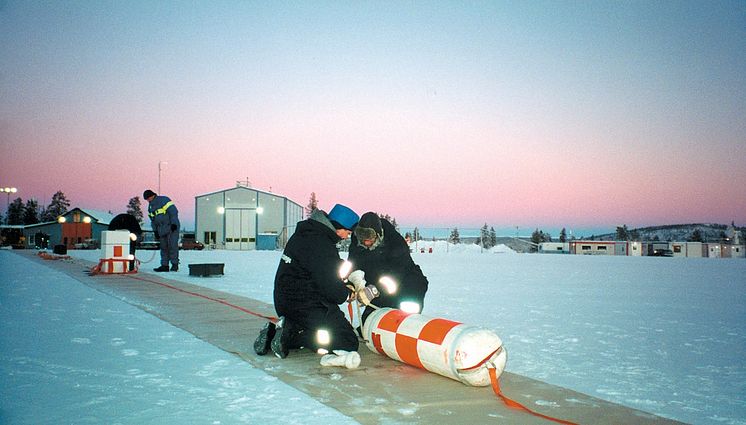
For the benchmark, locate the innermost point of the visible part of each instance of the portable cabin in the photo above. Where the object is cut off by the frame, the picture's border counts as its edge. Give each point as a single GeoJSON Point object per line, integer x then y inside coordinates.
{"type": "Point", "coordinates": [593, 247]}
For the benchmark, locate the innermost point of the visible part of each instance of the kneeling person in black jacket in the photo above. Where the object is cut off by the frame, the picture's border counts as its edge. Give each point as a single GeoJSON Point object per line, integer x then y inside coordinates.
{"type": "Point", "coordinates": [309, 289]}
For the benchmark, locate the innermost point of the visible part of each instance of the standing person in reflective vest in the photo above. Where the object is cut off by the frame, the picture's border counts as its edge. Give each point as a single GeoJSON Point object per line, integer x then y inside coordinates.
{"type": "Point", "coordinates": [164, 219]}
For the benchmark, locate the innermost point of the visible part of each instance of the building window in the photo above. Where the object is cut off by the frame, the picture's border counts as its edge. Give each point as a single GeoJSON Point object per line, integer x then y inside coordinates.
{"type": "Point", "coordinates": [677, 248]}
{"type": "Point", "coordinates": [586, 247]}
{"type": "Point", "coordinates": [602, 248]}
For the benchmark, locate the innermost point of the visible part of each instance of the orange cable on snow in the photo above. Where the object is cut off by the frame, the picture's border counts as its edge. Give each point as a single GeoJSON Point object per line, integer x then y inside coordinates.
{"type": "Point", "coordinates": [48, 256]}
{"type": "Point", "coordinates": [515, 405]}
{"type": "Point", "coordinates": [197, 294]}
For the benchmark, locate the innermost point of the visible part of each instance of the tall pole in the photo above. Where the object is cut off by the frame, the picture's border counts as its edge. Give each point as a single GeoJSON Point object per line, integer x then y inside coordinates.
{"type": "Point", "coordinates": [8, 190]}
{"type": "Point", "coordinates": [159, 174]}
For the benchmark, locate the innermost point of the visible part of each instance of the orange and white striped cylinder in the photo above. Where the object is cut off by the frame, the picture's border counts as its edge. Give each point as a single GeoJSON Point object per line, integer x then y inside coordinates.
{"type": "Point", "coordinates": [457, 351]}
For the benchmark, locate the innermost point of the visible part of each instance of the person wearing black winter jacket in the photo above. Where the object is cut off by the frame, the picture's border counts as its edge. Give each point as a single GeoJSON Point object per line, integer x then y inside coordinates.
{"type": "Point", "coordinates": [381, 252]}
{"type": "Point", "coordinates": [309, 289]}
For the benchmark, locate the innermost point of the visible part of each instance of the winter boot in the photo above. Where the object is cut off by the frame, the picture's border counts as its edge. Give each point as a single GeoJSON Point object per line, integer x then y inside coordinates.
{"type": "Point", "coordinates": [280, 341]}
{"type": "Point", "coordinates": [261, 345]}
{"type": "Point", "coordinates": [161, 269]}
{"type": "Point", "coordinates": [175, 268]}
{"type": "Point", "coordinates": [348, 359]}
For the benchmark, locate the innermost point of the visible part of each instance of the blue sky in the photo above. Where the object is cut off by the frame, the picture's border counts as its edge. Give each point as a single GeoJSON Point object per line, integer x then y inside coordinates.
{"type": "Point", "coordinates": [531, 114]}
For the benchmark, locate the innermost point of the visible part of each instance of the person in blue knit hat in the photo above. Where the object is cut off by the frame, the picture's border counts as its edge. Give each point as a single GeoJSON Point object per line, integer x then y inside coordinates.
{"type": "Point", "coordinates": [309, 289]}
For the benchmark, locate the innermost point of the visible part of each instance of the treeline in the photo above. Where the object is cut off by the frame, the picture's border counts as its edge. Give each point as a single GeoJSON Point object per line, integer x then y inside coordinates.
{"type": "Point", "coordinates": [29, 212]}
{"type": "Point", "coordinates": [20, 213]}
{"type": "Point", "coordinates": [487, 236]}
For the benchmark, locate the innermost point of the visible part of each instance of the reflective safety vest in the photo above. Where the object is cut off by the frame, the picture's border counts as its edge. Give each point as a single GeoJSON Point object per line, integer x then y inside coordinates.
{"type": "Point", "coordinates": [161, 210]}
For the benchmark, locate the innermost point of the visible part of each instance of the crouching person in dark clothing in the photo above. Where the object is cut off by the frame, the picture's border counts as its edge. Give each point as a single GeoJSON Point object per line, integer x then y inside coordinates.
{"type": "Point", "coordinates": [382, 253]}
{"type": "Point", "coordinates": [308, 291]}
{"type": "Point", "coordinates": [128, 222]}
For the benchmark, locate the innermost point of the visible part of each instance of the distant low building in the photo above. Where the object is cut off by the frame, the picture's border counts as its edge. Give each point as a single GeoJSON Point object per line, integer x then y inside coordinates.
{"type": "Point", "coordinates": [554, 247]}
{"type": "Point", "coordinates": [593, 247]}
{"type": "Point", "coordinates": [77, 228]}
{"type": "Point", "coordinates": [737, 251]}
{"type": "Point", "coordinates": [653, 249]}
{"type": "Point", "coordinates": [242, 218]}
{"type": "Point", "coordinates": [635, 249]}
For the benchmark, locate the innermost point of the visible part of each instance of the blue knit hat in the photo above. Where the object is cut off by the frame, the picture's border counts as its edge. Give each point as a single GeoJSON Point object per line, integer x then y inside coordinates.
{"type": "Point", "coordinates": [342, 217]}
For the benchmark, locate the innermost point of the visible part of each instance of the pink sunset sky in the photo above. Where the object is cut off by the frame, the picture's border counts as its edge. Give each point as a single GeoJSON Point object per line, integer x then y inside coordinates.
{"type": "Point", "coordinates": [526, 114]}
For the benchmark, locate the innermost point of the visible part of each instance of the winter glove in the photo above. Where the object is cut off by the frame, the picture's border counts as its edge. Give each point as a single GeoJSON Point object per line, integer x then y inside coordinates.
{"type": "Point", "coordinates": [367, 294]}
{"type": "Point", "coordinates": [173, 227]}
{"type": "Point", "coordinates": [348, 359]}
{"type": "Point", "coordinates": [357, 278]}
{"type": "Point", "coordinates": [351, 297]}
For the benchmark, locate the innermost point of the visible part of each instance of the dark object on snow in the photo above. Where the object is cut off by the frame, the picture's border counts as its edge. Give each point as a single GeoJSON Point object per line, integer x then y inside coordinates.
{"type": "Point", "coordinates": [130, 223]}
{"type": "Point", "coordinates": [662, 253]}
{"type": "Point", "coordinates": [126, 222]}
{"type": "Point", "coordinates": [281, 340]}
{"type": "Point", "coordinates": [188, 241]}
{"type": "Point", "coordinates": [261, 344]}
{"type": "Point", "coordinates": [60, 250]}
{"type": "Point", "coordinates": [207, 269]}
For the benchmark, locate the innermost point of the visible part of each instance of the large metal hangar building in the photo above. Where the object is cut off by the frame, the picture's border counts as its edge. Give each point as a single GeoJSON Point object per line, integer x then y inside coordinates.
{"type": "Point", "coordinates": [243, 218]}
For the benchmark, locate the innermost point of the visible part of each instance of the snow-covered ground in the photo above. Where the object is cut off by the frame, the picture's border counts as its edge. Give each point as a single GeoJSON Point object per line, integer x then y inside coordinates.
{"type": "Point", "coordinates": [664, 335]}
{"type": "Point", "coordinates": [72, 355]}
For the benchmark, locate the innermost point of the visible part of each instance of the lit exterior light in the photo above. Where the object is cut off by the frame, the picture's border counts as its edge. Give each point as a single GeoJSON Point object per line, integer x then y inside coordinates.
{"type": "Point", "coordinates": [221, 210]}
{"type": "Point", "coordinates": [388, 284]}
{"type": "Point", "coordinates": [345, 269]}
{"type": "Point", "coordinates": [323, 337]}
{"type": "Point", "coordinates": [259, 210]}
{"type": "Point", "coordinates": [409, 307]}
{"type": "Point", "coordinates": [61, 219]}
{"type": "Point", "coordinates": [86, 219]}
